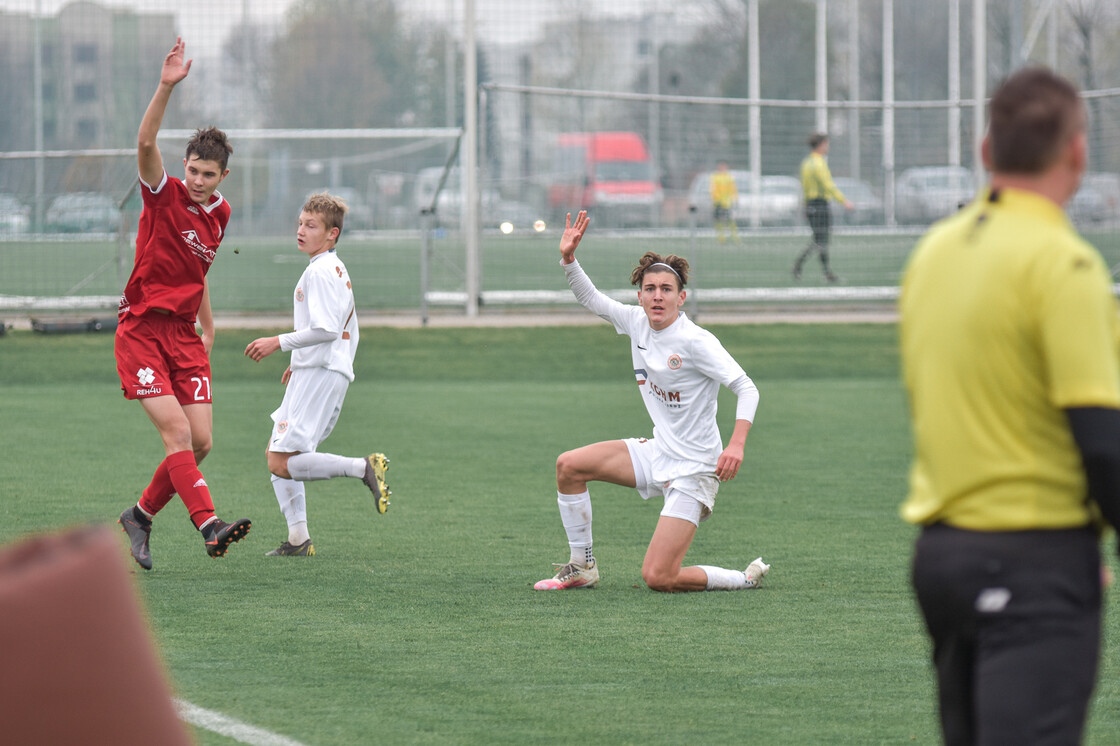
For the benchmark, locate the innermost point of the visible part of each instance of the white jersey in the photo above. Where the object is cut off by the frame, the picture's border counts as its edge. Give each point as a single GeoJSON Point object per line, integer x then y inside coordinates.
{"type": "Point", "coordinates": [326, 327]}
{"type": "Point", "coordinates": [679, 370]}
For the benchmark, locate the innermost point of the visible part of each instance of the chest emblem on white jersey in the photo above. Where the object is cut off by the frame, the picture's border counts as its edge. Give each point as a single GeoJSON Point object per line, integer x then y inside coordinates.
{"type": "Point", "coordinates": [299, 295]}
{"type": "Point", "coordinates": [675, 362]}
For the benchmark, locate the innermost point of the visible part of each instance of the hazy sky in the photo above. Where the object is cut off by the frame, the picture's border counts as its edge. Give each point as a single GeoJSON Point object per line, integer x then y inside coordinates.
{"type": "Point", "coordinates": [204, 24]}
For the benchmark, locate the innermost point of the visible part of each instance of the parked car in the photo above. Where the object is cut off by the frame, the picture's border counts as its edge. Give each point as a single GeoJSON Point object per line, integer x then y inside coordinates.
{"type": "Point", "coordinates": [779, 199]}
{"type": "Point", "coordinates": [1097, 200]}
{"type": "Point", "coordinates": [359, 215]}
{"type": "Point", "coordinates": [449, 205]}
{"type": "Point", "coordinates": [15, 217]}
{"type": "Point", "coordinates": [1087, 206]}
{"type": "Point", "coordinates": [84, 212]}
{"type": "Point", "coordinates": [929, 193]}
{"type": "Point", "coordinates": [867, 205]}
{"type": "Point", "coordinates": [513, 216]}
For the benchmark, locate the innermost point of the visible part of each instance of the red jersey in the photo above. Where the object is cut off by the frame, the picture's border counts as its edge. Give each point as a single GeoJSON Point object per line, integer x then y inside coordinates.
{"type": "Point", "coordinates": [176, 242]}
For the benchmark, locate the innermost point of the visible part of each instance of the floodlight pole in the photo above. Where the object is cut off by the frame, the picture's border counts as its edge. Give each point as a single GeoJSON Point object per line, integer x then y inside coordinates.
{"type": "Point", "coordinates": [954, 83]}
{"type": "Point", "coordinates": [426, 215]}
{"type": "Point", "coordinates": [470, 157]}
{"type": "Point", "coordinates": [37, 81]}
{"type": "Point", "coordinates": [854, 86]}
{"type": "Point", "coordinates": [822, 65]}
{"type": "Point", "coordinates": [888, 110]}
{"type": "Point", "coordinates": [979, 80]}
{"type": "Point", "coordinates": [754, 113]}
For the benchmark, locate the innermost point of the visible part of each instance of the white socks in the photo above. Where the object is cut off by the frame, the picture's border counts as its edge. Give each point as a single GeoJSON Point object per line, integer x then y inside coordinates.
{"type": "Point", "coordinates": [297, 533]}
{"type": "Point", "coordinates": [575, 514]}
{"type": "Point", "coordinates": [309, 467]}
{"type": "Point", "coordinates": [293, 504]}
{"type": "Point", "coordinates": [722, 579]}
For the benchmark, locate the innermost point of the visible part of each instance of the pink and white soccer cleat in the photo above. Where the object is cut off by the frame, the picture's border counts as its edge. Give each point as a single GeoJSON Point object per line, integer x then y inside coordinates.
{"type": "Point", "coordinates": [570, 576]}
{"type": "Point", "coordinates": [755, 572]}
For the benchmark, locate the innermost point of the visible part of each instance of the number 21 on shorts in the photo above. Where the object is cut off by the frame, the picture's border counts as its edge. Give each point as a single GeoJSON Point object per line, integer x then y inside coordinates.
{"type": "Point", "coordinates": [201, 388]}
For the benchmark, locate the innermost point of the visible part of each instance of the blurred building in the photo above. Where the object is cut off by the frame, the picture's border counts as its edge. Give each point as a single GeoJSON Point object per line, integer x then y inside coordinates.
{"type": "Point", "coordinates": [97, 74]}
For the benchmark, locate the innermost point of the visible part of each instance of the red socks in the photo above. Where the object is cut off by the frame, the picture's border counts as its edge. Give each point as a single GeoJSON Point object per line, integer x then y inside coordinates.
{"type": "Point", "coordinates": [159, 492]}
{"type": "Point", "coordinates": [179, 473]}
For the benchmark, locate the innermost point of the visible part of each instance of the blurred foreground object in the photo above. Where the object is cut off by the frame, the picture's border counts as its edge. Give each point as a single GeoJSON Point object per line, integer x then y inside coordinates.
{"type": "Point", "coordinates": [79, 661]}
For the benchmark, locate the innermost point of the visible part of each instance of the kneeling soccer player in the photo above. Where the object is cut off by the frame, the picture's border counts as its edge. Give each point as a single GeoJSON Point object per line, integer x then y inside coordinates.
{"type": "Point", "coordinates": [679, 367]}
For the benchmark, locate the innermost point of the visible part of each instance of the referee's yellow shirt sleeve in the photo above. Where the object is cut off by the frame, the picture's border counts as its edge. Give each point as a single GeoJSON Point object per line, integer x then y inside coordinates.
{"type": "Point", "coordinates": [1081, 330]}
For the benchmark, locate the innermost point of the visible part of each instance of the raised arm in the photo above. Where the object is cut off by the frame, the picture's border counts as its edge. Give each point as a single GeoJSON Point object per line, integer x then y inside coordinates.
{"type": "Point", "coordinates": [147, 152]}
{"type": "Point", "coordinates": [572, 236]}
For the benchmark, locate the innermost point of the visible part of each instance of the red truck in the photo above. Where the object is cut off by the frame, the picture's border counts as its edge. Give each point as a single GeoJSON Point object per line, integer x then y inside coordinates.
{"type": "Point", "coordinates": [609, 174]}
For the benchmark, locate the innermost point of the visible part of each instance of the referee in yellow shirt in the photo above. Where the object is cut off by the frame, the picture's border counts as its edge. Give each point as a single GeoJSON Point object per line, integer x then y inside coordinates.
{"type": "Point", "coordinates": [1010, 356]}
{"type": "Point", "coordinates": [818, 188]}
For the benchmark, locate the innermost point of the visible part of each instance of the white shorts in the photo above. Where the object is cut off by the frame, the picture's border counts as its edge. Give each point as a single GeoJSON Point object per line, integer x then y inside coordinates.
{"type": "Point", "coordinates": [689, 488]}
{"type": "Point", "coordinates": [312, 402]}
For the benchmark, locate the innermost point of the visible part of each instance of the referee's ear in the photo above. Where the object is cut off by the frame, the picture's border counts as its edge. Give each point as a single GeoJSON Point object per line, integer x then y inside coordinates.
{"type": "Point", "coordinates": [986, 152]}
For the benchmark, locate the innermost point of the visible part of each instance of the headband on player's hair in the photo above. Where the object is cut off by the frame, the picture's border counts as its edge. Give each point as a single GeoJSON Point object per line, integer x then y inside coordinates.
{"type": "Point", "coordinates": [666, 266]}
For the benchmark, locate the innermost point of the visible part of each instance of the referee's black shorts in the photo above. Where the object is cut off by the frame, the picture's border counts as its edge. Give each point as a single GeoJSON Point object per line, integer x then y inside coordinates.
{"type": "Point", "coordinates": [819, 215]}
{"type": "Point", "coordinates": [1015, 619]}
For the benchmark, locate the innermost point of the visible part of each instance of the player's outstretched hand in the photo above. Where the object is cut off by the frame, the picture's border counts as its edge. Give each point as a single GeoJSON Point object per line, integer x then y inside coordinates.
{"type": "Point", "coordinates": [572, 235]}
{"type": "Point", "coordinates": [261, 348]}
{"type": "Point", "coordinates": [174, 69]}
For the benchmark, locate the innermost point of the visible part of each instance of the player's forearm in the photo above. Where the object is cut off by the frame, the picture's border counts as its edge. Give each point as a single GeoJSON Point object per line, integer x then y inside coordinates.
{"type": "Point", "coordinates": [587, 294]}
{"type": "Point", "coordinates": [153, 115]}
{"type": "Point", "coordinates": [746, 403]}
{"type": "Point", "coordinates": [739, 434]}
{"type": "Point", "coordinates": [205, 312]}
{"type": "Point", "coordinates": [147, 150]}
{"type": "Point", "coordinates": [306, 338]}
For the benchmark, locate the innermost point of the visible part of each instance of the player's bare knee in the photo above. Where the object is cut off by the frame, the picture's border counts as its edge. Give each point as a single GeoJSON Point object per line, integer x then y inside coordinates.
{"type": "Point", "coordinates": [659, 580]}
{"type": "Point", "coordinates": [202, 450]}
{"type": "Point", "coordinates": [278, 464]}
{"type": "Point", "coordinates": [567, 467]}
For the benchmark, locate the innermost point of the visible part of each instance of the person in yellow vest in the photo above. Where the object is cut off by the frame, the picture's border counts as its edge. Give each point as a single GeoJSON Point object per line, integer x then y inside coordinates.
{"type": "Point", "coordinates": [1010, 356]}
{"type": "Point", "coordinates": [818, 188]}
{"type": "Point", "coordinates": [724, 193]}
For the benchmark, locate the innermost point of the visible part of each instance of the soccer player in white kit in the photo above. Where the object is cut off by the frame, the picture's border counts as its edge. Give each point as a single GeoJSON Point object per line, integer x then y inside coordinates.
{"type": "Point", "coordinates": [323, 346]}
{"type": "Point", "coordinates": [679, 368]}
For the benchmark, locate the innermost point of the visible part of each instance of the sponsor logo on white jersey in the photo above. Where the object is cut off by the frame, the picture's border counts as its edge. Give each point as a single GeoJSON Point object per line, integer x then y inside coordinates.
{"type": "Point", "coordinates": [669, 398]}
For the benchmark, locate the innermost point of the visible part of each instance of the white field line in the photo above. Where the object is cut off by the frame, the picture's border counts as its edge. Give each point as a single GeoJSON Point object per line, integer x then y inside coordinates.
{"type": "Point", "coordinates": [229, 727]}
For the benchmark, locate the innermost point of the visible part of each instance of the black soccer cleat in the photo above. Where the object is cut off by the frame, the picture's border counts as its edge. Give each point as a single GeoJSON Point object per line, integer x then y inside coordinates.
{"type": "Point", "coordinates": [306, 549]}
{"type": "Point", "coordinates": [219, 535]}
{"type": "Point", "coordinates": [138, 534]}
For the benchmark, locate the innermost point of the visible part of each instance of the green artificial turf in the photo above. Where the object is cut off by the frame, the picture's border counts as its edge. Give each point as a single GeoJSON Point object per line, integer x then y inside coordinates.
{"type": "Point", "coordinates": [421, 626]}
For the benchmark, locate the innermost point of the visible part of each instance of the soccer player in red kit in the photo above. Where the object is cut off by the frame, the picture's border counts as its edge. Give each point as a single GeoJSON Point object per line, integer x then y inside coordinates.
{"type": "Point", "coordinates": [161, 359]}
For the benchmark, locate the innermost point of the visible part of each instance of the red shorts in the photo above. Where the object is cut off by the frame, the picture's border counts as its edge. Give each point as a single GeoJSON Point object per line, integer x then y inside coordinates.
{"type": "Point", "coordinates": [160, 355]}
